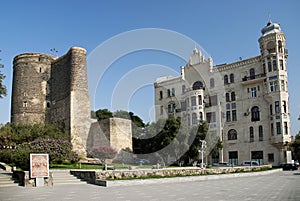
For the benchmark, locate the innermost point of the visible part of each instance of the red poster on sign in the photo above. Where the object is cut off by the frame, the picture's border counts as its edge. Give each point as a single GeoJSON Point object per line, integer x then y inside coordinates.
{"type": "Point", "coordinates": [39, 165]}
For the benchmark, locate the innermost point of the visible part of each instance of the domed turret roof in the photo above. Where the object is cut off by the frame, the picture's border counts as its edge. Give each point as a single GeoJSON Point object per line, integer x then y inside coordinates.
{"type": "Point", "coordinates": [270, 28]}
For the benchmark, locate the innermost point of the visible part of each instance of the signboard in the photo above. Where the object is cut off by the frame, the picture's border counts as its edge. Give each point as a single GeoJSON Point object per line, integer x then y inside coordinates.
{"type": "Point", "coordinates": [39, 165]}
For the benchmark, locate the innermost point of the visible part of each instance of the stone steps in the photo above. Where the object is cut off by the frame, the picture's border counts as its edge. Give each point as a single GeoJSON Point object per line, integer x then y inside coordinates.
{"type": "Point", "coordinates": [64, 177]}
{"type": "Point", "coordinates": [6, 179]}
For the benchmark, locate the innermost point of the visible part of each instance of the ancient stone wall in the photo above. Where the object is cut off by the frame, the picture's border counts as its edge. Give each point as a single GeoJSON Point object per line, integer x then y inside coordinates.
{"type": "Point", "coordinates": [115, 132]}
{"type": "Point", "coordinates": [48, 89]}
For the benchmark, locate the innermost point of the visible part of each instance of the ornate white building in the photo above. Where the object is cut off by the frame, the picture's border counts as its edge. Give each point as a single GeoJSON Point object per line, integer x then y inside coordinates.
{"type": "Point", "coordinates": [246, 103]}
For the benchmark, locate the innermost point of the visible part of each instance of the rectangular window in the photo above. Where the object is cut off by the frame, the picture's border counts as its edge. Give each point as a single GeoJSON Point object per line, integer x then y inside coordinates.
{"type": "Point", "coordinates": [233, 157]}
{"type": "Point", "coordinates": [269, 66]}
{"type": "Point", "coordinates": [271, 109]}
{"type": "Point", "coordinates": [199, 99]}
{"type": "Point", "coordinates": [234, 118]}
{"type": "Point", "coordinates": [272, 129]}
{"type": "Point", "coordinates": [273, 86]}
{"type": "Point", "coordinates": [228, 106]}
{"type": "Point", "coordinates": [281, 64]}
{"type": "Point", "coordinates": [274, 63]}
{"type": "Point", "coordinates": [282, 85]}
{"type": "Point", "coordinates": [228, 116]}
{"type": "Point", "coordinates": [253, 92]}
{"type": "Point", "coordinates": [284, 107]}
{"type": "Point", "coordinates": [160, 94]}
{"type": "Point", "coordinates": [278, 128]}
{"type": "Point", "coordinates": [286, 128]}
{"type": "Point", "coordinates": [169, 92]}
{"type": "Point", "coordinates": [277, 108]}
{"type": "Point", "coordinates": [211, 117]}
{"type": "Point", "coordinates": [193, 100]}
{"type": "Point", "coordinates": [271, 158]}
{"type": "Point", "coordinates": [173, 92]}
{"type": "Point", "coordinates": [233, 105]}
{"type": "Point", "coordinates": [183, 106]}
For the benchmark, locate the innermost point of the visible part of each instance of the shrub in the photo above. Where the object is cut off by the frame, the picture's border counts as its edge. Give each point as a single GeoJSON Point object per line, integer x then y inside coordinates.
{"type": "Point", "coordinates": [6, 155]}
{"type": "Point", "coordinates": [59, 151]}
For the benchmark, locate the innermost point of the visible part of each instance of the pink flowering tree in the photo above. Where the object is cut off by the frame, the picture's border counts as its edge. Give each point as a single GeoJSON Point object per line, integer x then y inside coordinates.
{"type": "Point", "coordinates": [102, 153]}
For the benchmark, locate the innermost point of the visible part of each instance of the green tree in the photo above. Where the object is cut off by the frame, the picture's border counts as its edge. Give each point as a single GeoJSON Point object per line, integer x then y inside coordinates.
{"type": "Point", "coordinates": [12, 134]}
{"type": "Point", "coordinates": [295, 146]}
{"type": "Point", "coordinates": [167, 138]}
{"type": "Point", "coordinates": [3, 90]}
{"type": "Point", "coordinates": [196, 134]}
{"type": "Point", "coordinates": [102, 114]}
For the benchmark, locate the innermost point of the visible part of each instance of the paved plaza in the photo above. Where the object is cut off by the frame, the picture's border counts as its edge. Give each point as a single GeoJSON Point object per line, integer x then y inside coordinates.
{"type": "Point", "coordinates": [279, 186]}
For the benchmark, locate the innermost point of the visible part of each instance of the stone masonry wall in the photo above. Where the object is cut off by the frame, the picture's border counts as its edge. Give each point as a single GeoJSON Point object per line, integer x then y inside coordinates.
{"type": "Point", "coordinates": [31, 72]}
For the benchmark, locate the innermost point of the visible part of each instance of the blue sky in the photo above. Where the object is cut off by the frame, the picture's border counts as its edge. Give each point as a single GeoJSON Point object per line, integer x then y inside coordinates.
{"type": "Point", "coordinates": [227, 30]}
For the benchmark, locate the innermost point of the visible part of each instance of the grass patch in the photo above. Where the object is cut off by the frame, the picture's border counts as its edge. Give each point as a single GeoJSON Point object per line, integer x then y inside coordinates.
{"type": "Point", "coordinates": [75, 166]}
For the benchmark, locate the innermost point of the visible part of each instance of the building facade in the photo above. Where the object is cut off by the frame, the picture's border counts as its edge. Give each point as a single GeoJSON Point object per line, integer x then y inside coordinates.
{"type": "Point", "coordinates": [246, 103]}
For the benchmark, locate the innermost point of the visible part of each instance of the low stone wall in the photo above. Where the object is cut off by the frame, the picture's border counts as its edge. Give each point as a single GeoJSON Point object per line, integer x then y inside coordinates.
{"type": "Point", "coordinates": [98, 177]}
{"type": "Point", "coordinates": [24, 179]}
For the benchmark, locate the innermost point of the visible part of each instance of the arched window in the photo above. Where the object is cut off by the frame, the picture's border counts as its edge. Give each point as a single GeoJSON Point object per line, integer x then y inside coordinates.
{"type": "Point", "coordinates": [231, 77]}
{"type": "Point", "coordinates": [280, 46]}
{"type": "Point", "coordinates": [212, 82]}
{"type": "Point", "coordinates": [233, 96]}
{"type": "Point", "coordinates": [197, 85]}
{"type": "Point", "coordinates": [251, 134]}
{"type": "Point", "coordinates": [194, 118]}
{"type": "Point", "coordinates": [252, 73]}
{"type": "Point", "coordinates": [232, 134]}
{"type": "Point", "coordinates": [225, 79]}
{"type": "Point", "coordinates": [255, 114]}
{"type": "Point", "coordinates": [260, 133]}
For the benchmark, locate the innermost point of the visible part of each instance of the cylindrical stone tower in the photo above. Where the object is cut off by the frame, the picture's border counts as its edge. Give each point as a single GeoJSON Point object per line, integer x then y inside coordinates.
{"type": "Point", "coordinates": [31, 76]}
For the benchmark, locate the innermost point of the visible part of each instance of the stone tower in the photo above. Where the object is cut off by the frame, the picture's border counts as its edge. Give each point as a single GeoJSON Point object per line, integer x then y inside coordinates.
{"type": "Point", "coordinates": [273, 55]}
{"type": "Point", "coordinates": [31, 73]}
{"type": "Point", "coordinates": [48, 89]}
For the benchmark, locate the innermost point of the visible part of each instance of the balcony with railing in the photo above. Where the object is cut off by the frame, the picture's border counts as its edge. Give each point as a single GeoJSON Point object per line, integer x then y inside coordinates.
{"type": "Point", "coordinates": [253, 78]}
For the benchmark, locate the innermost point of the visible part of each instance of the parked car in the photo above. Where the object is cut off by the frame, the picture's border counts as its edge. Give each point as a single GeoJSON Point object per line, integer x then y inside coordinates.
{"type": "Point", "coordinates": [224, 164]}
{"type": "Point", "coordinates": [297, 163]}
{"type": "Point", "coordinates": [289, 166]}
{"type": "Point", "coordinates": [250, 163]}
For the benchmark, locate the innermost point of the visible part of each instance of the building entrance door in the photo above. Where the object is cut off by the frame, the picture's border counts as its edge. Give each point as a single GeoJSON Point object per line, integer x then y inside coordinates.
{"type": "Point", "coordinates": [257, 156]}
